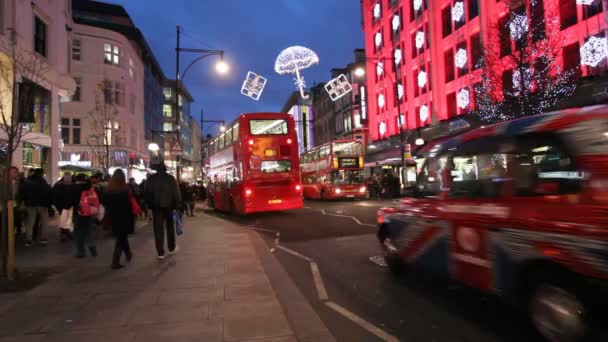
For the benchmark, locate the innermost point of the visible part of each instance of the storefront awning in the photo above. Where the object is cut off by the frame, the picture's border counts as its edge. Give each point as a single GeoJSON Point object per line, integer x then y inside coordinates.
{"type": "Point", "coordinates": [386, 157]}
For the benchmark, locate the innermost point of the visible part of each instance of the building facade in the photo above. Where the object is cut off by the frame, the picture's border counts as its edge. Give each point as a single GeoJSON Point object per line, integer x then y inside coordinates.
{"type": "Point", "coordinates": [171, 128]}
{"type": "Point", "coordinates": [103, 126]}
{"type": "Point", "coordinates": [36, 34]}
{"type": "Point", "coordinates": [301, 110]}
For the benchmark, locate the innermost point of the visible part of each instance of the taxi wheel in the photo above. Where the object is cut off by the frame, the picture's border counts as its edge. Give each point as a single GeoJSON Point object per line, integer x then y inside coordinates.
{"type": "Point", "coordinates": [391, 256]}
{"type": "Point", "coordinates": [557, 313]}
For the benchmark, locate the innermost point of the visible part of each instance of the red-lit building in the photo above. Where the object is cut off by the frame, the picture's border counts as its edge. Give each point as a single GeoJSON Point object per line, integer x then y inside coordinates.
{"type": "Point", "coordinates": [422, 53]}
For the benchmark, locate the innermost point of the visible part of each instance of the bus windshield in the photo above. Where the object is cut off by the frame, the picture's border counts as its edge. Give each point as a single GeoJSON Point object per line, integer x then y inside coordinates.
{"type": "Point", "coordinates": [347, 177]}
{"type": "Point", "coordinates": [268, 126]}
{"type": "Point", "coordinates": [351, 148]}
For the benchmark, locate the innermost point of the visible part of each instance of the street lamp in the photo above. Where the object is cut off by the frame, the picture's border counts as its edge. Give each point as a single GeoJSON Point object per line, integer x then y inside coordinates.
{"type": "Point", "coordinates": [153, 147]}
{"type": "Point", "coordinates": [222, 67]}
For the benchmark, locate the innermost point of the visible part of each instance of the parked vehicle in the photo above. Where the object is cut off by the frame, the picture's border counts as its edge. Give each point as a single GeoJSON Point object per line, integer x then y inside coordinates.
{"type": "Point", "coordinates": [519, 209]}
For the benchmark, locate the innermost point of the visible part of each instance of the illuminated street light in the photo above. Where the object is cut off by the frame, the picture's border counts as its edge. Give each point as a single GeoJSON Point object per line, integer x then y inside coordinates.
{"type": "Point", "coordinates": [222, 128]}
{"type": "Point", "coordinates": [222, 67]}
{"type": "Point", "coordinates": [153, 147]}
{"type": "Point", "coordinates": [359, 72]}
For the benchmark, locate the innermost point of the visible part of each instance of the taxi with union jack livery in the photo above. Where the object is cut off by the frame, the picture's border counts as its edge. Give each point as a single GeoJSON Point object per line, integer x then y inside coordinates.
{"type": "Point", "coordinates": [519, 209]}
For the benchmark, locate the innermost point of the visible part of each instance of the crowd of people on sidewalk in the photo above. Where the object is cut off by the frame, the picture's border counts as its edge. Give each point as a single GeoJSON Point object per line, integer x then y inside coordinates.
{"type": "Point", "coordinates": [384, 186]}
{"type": "Point", "coordinates": [87, 204]}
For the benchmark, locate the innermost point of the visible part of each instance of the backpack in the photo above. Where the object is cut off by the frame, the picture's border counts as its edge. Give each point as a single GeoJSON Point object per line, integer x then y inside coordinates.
{"type": "Point", "coordinates": [89, 203]}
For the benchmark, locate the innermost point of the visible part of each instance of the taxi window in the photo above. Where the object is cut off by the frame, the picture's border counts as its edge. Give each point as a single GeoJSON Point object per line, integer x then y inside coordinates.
{"type": "Point", "coordinates": [429, 180]}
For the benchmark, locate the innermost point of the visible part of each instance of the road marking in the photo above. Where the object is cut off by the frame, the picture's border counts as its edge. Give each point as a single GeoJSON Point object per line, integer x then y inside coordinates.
{"type": "Point", "coordinates": [378, 260]}
{"type": "Point", "coordinates": [294, 253]}
{"type": "Point", "coordinates": [353, 218]}
{"type": "Point", "coordinates": [316, 274]}
{"type": "Point", "coordinates": [383, 335]}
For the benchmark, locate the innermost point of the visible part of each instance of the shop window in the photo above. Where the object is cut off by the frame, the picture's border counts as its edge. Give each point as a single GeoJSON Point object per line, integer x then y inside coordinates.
{"type": "Point", "coordinates": [473, 9]}
{"type": "Point", "coordinates": [446, 19]}
{"type": "Point", "coordinates": [567, 13]}
{"type": "Point", "coordinates": [592, 9]}
{"type": "Point", "coordinates": [449, 65]}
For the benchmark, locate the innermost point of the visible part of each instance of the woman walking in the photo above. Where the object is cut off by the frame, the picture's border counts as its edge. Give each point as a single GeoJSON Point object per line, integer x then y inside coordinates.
{"type": "Point", "coordinates": [118, 205]}
{"type": "Point", "coordinates": [88, 208]}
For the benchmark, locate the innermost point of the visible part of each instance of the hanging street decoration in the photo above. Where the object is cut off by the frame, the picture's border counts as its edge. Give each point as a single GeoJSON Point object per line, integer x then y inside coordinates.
{"type": "Point", "coordinates": [382, 128]}
{"type": "Point", "coordinates": [594, 51]}
{"type": "Point", "coordinates": [422, 79]}
{"type": "Point", "coordinates": [460, 59]}
{"type": "Point", "coordinates": [398, 56]}
{"type": "Point", "coordinates": [381, 101]}
{"type": "Point", "coordinates": [379, 69]}
{"type": "Point", "coordinates": [419, 39]}
{"type": "Point", "coordinates": [463, 98]}
{"type": "Point", "coordinates": [396, 22]}
{"type": "Point", "coordinates": [424, 113]}
{"type": "Point", "coordinates": [253, 85]}
{"type": "Point", "coordinates": [417, 5]}
{"type": "Point", "coordinates": [518, 26]}
{"type": "Point", "coordinates": [338, 87]}
{"type": "Point", "coordinates": [292, 60]}
{"type": "Point", "coordinates": [400, 91]}
{"type": "Point", "coordinates": [377, 11]}
{"type": "Point", "coordinates": [378, 39]}
{"type": "Point", "coordinates": [458, 11]}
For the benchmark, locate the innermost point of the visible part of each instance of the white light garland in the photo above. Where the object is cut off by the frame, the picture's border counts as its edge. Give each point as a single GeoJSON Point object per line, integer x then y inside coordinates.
{"type": "Point", "coordinates": [424, 113]}
{"type": "Point", "coordinates": [396, 22]}
{"type": "Point", "coordinates": [377, 11]}
{"type": "Point", "coordinates": [585, 2]}
{"type": "Point", "coordinates": [460, 59]}
{"type": "Point", "coordinates": [417, 5]}
{"type": "Point", "coordinates": [422, 79]}
{"type": "Point", "coordinates": [517, 80]}
{"type": "Point", "coordinates": [293, 60]}
{"type": "Point", "coordinates": [382, 128]}
{"type": "Point", "coordinates": [518, 26]}
{"type": "Point", "coordinates": [378, 39]}
{"type": "Point", "coordinates": [594, 51]}
{"type": "Point", "coordinates": [463, 98]}
{"type": "Point", "coordinates": [419, 39]}
{"type": "Point", "coordinates": [379, 69]}
{"type": "Point", "coordinates": [381, 101]}
{"type": "Point", "coordinates": [400, 91]}
{"type": "Point", "coordinates": [458, 11]}
{"type": "Point", "coordinates": [398, 56]}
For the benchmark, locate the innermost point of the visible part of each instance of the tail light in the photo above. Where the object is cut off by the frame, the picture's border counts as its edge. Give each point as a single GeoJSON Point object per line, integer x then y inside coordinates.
{"type": "Point", "coordinates": [338, 190]}
{"type": "Point", "coordinates": [362, 189]}
{"type": "Point", "coordinates": [250, 141]}
{"type": "Point", "coordinates": [289, 141]}
{"type": "Point", "coordinates": [248, 192]}
{"type": "Point", "coordinates": [298, 187]}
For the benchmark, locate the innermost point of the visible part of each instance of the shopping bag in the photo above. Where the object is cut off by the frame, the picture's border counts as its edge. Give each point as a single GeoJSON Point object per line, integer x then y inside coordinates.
{"type": "Point", "coordinates": [177, 218]}
{"type": "Point", "coordinates": [65, 220]}
{"type": "Point", "coordinates": [135, 208]}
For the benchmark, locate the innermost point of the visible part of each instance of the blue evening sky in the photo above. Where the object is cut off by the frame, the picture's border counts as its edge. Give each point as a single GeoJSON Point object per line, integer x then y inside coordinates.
{"type": "Point", "coordinates": [252, 33]}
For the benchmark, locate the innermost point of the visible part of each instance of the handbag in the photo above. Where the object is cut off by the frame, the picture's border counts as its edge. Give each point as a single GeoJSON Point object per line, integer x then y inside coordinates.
{"type": "Point", "coordinates": [177, 218]}
{"type": "Point", "coordinates": [135, 208]}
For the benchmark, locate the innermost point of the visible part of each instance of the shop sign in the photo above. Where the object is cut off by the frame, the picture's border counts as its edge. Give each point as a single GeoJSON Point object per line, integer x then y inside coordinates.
{"type": "Point", "coordinates": [75, 160]}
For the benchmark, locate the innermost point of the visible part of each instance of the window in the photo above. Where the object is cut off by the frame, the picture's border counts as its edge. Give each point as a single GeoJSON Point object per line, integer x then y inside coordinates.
{"type": "Point", "coordinates": [168, 110]}
{"type": "Point", "coordinates": [505, 36]}
{"type": "Point", "coordinates": [473, 9]}
{"type": "Point", "coordinates": [76, 131]}
{"type": "Point", "coordinates": [77, 91]}
{"type": "Point", "coordinates": [167, 92]}
{"type": "Point", "coordinates": [111, 54]}
{"type": "Point", "coordinates": [537, 19]}
{"type": "Point", "coordinates": [131, 68]}
{"type": "Point", "coordinates": [465, 69]}
{"type": "Point", "coordinates": [449, 65]}
{"type": "Point", "coordinates": [476, 51]}
{"type": "Point", "coordinates": [451, 105]}
{"type": "Point", "coordinates": [429, 181]}
{"type": "Point", "coordinates": [275, 166]}
{"type": "Point", "coordinates": [567, 13]}
{"type": "Point", "coordinates": [168, 126]}
{"type": "Point", "coordinates": [228, 138]}
{"type": "Point", "coordinates": [132, 103]}
{"type": "Point", "coordinates": [114, 92]}
{"type": "Point", "coordinates": [65, 130]}
{"type": "Point", "coordinates": [133, 137]}
{"type": "Point", "coordinates": [446, 19]}
{"type": "Point", "coordinates": [221, 141]}
{"type": "Point", "coordinates": [347, 148]}
{"type": "Point", "coordinates": [76, 52]}
{"type": "Point", "coordinates": [268, 126]}
{"type": "Point", "coordinates": [40, 36]}
{"type": "Point", "coordinates": [235, 132]}
{"type": "Point", "coordinates": [592, 9]}
{"type": "Point", "coordinates": [572, 58]}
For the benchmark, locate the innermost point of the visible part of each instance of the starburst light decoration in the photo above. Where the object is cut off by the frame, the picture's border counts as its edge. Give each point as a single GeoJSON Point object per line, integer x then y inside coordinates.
{"type": "Point", "coordinates": [417, 5]}
{"type": "Point", "coordinates": [381, 101]}
{"type": "Point", "coordinates": [460, 59]}
{"type": "Point", "coordinates": [292, 60]}
{"type": "Point", "coordinates": [377, 11]}
{"type": "Point", "coordinates": [378, 39]}
{"type": "Point", "coordinates": [396, 22]}
{"type": "Point", "coordinates": [518, 26]}
{"type": "Point", "coordinates": [382, 128]}
{"type": "Point", "coordinates": [338, 87]}
{"type": "Point", "coordinates": [585, 2]}
{"type": "Point", "coordinates": [517, 79]}
{"type": "Point", "coordinates": [253, 85]}
{"type": "Point", "coordinates": [594, 51]}
{"type": "Point", "coordinates": [419, 39]}
{"type": "Point", "coordinates": [398, 56]}
{"type": "Point", "coordinates": [424, 113]}
{"type": "Point", "coordinates": [400, 91]}
{"type": "Point", "coordinates": [422, 79]}
{"type": "Point", "coordinates": [379, 69]}
{"type": "Point", "coordinates": [463, 98]}
{"type": "Point", "coordinates": [458, 11]}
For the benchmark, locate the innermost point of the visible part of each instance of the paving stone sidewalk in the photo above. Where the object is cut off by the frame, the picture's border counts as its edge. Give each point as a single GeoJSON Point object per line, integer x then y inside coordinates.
{"type": "Point", "coordinates": [214, 289]}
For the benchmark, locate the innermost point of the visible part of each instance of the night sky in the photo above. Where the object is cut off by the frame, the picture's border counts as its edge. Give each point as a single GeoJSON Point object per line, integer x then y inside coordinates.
{"type": "Point", "coordinates": [252, 33]}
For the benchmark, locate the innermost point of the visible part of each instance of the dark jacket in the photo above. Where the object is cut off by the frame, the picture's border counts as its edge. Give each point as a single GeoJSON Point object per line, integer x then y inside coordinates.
{"type": "Point", "coordinates": [118, 207]}
{"type": "Point", "coordinates": [187, 193]}
{"type": "Point", "coordinates": [162, 191]}
{"type": "Point", "coordinates": [36, 192]}
{"type": "Point", "coordinates": [62, 195]}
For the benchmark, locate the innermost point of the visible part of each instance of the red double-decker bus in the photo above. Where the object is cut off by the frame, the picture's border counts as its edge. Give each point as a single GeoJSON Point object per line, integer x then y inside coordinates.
{"type": "Point", "coordinates": [254, 165]}
{"type": "Point", "coordinates": [334, 170]}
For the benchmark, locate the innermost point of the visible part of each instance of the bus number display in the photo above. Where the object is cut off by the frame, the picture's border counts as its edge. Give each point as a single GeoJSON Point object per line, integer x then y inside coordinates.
{"type": "Point", "coordinates": [348, 162]}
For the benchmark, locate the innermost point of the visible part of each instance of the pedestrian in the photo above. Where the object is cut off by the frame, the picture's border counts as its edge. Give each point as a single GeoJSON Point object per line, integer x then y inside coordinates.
{"type": "Point", "coordinates": [62, 196]}
{"type": "Point", "coordinates": [84, 228]}
{"type": "Point", "coordinates": [117, 203]}
{"type": "Point", "coordinates": [142, 201]}
{"type": "Point", "coordinates": [16, 185]}
{"type": "Point", "coordinates": [187, 198]}
{"type": "Point", "coordinates": [37, 199]}
{"type": "Point", "coordinates": [163, 196]}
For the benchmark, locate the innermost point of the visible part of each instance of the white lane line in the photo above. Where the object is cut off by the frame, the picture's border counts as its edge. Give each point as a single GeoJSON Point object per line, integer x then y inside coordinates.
{"type": "Point", "coordinates": [316, 274]}
{"type": "Point", "coordinates": [383, 335]}
{"type": "Point", "coordinates": [294, 253]}
{"type": "Point", "coordinates": [353, 218]}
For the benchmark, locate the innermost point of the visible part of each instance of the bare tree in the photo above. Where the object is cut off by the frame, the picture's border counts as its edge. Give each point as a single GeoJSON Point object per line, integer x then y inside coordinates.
{"type": "Point", "coordinates": [520, 71]}
{"type": "Point", "coordinates": [104, 128]}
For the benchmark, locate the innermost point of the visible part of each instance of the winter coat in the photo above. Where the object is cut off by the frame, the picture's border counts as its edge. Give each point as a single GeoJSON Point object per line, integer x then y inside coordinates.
{"type": "Point", "coordinates": [118, 208]}
{"type": "Point", "coordinates": [162, 191]}
{"type": "Point", "coordinates": [63, 195]}
{"type": "Point", "coordinates": [36, 192]}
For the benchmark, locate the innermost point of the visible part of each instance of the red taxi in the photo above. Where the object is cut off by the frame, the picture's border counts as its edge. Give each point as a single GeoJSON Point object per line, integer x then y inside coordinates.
{"type": "Point", "coordinates": [519, 209]}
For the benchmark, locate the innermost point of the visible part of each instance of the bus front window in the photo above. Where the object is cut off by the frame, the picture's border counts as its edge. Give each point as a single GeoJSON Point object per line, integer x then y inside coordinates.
{"type": "Point", "coordinates": [342, 177]}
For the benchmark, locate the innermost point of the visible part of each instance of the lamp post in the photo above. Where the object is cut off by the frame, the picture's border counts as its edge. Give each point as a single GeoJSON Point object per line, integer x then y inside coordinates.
{"type": "Point", "coordinates": [222, 129]}
{"type": "Point", "coordinates": [221, 67]}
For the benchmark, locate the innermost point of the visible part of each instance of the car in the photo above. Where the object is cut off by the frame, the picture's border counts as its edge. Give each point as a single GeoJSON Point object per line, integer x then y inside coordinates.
{"type": "Point", "coordinates": [518, 209]}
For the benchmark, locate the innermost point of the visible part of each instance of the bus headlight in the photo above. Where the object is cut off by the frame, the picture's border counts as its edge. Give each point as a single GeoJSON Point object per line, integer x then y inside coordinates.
{"type": "Point", "coordinates": [338, 190]}
{"type": "Point", "coordinates": [298, 187]}
{"type": "Point", "coordinates": [363, 189]}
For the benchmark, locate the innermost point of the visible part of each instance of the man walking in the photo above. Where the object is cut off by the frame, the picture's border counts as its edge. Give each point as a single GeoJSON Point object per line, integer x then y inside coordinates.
{"type": "Point", "coordinates": [37, 199]}
{"type": "Point", "coordinates": [163, 196]}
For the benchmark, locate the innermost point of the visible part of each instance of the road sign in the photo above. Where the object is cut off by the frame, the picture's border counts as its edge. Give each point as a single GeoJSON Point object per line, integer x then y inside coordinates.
{"type": "Point", "coordinates": [177, 149]}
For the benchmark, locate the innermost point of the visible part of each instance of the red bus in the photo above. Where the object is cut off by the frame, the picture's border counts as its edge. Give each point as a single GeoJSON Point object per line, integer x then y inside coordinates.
{"type": "Point", "coordinates": [254, 165]}
{"type": "Point", "coordinates": [334, 170]}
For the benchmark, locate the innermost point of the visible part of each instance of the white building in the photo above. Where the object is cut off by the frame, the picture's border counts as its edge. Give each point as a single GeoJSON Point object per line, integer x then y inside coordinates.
{"type": "Point", "coordinates": [37, 32]}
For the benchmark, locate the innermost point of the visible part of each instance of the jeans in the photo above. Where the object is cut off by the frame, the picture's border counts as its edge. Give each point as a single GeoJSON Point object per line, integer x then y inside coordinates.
{"type": "Point", "coordinates": [32, 214]}
{"type": "Point", "coordinates": [163, 220]}
{"type": "Point", "coordinates": [84, 231]}
{"type": "Point", "coordinates": [121, 245]}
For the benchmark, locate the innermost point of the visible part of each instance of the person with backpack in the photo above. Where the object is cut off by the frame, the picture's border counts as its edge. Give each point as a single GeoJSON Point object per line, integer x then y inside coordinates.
{"type": "Point", "coordinates": [88, 209]}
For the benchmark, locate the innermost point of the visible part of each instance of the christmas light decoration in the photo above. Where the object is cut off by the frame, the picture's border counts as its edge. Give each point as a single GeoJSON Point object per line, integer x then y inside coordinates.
{"type": "Point", "coordinates": [458, 11]}
{"type": "Point", "coordinates": [460, 59]}
{"type": "Point", "coordinates": [463, 98]}
{"type": "Point", "coordinates": [518, 26]}
{"type": "Point", "coordinates": [381, 101]}
{"type": "Point", "coordinates": [253, 85]}
{"type": "Point", "coordinates": [422, 79]}
{"type": "Point", "coordinates": [382, 128]}
{"type": "Point", "coordinates": [378, 39]}
{"type": "Point", "coordinates": [594, 51]}
{"type": "Point", "coordinates": [417, 5]}
{"type": "Point", "coordinates": [585, 2]}
{"type": "Point", "coordinates": [398, 56]}
{"type": "Point", "coordinates": [338, 87]}
{"type": "Point", "coordinates": [517, 79]}
{"type": "Point", "coordinates": [379, 69]}
{"type": "Point", "coordinates": [400, 91]}
{"type": "Point", "coordinates": [377, 11]}
{"type": "Point", "coordinates": [423, 113]}
{"type": "Point", "coordinates": [419, 39]}
{"type": "Point", "coordinates": [396, 22]}
{"type": "Point", "coordinates": [292, 60]}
